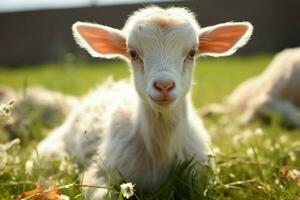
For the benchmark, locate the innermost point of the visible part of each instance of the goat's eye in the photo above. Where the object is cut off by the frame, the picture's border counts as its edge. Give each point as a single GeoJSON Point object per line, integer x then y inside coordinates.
{"type": "Point", "coordinates": [133, 54]}
{"type": "Point", "coordinates": [191, 54]}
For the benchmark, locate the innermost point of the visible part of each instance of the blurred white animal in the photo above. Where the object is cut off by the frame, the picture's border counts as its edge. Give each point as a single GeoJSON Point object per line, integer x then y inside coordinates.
{"type": "Point", "coordinates": [46, 105]}
{"type": "Point", "coordinates": [141, 131]}
{"type": "Point", "coordinates": [274, 92]}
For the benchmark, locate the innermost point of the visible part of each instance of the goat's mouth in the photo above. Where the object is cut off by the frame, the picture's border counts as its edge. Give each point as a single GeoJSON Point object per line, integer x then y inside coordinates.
{"type": "Point", "coordinates": [162, 103]}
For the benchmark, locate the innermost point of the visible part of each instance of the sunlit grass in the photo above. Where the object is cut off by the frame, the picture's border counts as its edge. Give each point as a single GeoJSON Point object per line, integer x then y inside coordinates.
{"type": "Point", "coordinates": [251, 160]}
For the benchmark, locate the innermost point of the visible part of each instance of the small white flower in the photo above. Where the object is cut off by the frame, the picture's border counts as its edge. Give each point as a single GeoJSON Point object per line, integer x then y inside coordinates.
{"type": "Point", "coordinates": [5, 111]}
{"type": "Point", "coordinates": [246, 134]}
{"type": "Point", "coordinates": [231, 175]}
{"type": "Point", "coordinates": [268, 145]}
{"type": "Point", "coordinates": [17, 159]}
{"type": "Point", "coordinates": [258, 131]}
{"type": "Point", "coordinates": [29, 167]}
{"type": "Point", "coordinates": [277, 146]}
{"type": "Point", "coordinates": [216, 150]}
{"type": "Point", "coordinates": [127, 190]}
{"type": "Point", "coordinates": [242, 137]}
{"type": "Point", "coordinates": [250, 152]}
{"type": "Point", "coordinates": [292, 156]}
{"type": "Point", "coordinates": [284, 138]}
{"type": "Point", "coordinates": [63, 165]}
{"type": "Point", "coordinates": [294, 174]}
{"type": "Point", "coordinates": [67, 166]}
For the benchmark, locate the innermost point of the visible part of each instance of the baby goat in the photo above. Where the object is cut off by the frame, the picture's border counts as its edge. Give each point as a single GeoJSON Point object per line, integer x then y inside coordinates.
{"type": "Point", "coordinates": [274, 92]}
{"type": "Point", "coordinates": [33, 105]}
{"type": "Point", "coordinates": [140, 132]}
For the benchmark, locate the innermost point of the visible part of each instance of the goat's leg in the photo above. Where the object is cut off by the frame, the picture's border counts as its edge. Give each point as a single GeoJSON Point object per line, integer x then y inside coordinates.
{"type": "Point", "coordinates": [95, 177]}
{"type": "Point", "coordinates": [214, 109]}
{"type": "Point", "coordinates": [52, 146]}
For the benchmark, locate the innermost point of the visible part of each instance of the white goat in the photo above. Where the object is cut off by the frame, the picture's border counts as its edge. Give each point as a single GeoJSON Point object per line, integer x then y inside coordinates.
{"type": "Point", "coordinates": [274, 92]}
{"type": "Point", "coordinates": [141, 132]}
{"type": "Point", "coordinates": [46, 100]}
{"type": "Point", "coordinates": [46, 105]}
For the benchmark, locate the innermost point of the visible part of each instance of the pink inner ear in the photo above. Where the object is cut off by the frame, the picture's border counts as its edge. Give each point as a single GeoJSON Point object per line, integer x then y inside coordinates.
{"type": "Point", "coordinates": [103, 41]}
{"type": "Point", "coordinates": [221, 39]}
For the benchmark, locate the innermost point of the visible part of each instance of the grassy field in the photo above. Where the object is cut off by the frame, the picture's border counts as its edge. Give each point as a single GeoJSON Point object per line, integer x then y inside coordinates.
{"type": "Point", "coordinates": [254, 162]}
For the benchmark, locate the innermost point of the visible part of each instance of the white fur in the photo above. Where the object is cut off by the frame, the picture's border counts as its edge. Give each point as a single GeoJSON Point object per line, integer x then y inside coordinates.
{"type": "Point", "coordinates": [129, 131]}
{"type": "Point", "coordinates": [275, 91]}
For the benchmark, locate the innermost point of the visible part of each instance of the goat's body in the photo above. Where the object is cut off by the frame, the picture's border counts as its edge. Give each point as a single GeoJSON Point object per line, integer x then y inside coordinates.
{"type": "Point", "coordinates": [35, 97]}
{"type": "Point", "coordinates": [141, 131]}
{"type": "Point", "coordinates": [275, 91]}
{"type": "Point", "coordinates": [48, 106]}
{"type": "Point", "coordinates": [129, 137]}
{"type": "Point", "coordinates": [279, 80]}
{"type": "Point", "coordinates": [290, 70]}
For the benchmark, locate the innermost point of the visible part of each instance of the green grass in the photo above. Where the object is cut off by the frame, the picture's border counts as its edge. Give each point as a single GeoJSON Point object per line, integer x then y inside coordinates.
{"type": "Point", "coordinates": [250, 165]}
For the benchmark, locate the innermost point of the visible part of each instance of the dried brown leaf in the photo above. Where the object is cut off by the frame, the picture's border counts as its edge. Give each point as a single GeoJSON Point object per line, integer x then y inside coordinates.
{"type": "Point", "coordinates": [40, 194]}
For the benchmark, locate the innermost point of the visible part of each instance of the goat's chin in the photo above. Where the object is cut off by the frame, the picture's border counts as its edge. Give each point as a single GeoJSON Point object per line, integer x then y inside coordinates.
{"type": "Point", "coordinates": [163, 106]}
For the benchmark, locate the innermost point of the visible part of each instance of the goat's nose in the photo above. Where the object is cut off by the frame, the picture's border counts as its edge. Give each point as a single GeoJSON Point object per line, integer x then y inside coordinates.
{"type": "Point", "coordinates": [164, 86]}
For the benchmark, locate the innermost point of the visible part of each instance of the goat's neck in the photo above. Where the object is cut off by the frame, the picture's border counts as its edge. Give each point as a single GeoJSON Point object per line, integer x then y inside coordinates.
{"type": "Point", "coordinates": [161, 132]}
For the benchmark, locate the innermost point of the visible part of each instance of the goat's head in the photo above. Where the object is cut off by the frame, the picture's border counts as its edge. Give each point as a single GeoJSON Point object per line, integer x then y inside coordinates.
{"type": "Point", "coordinates": [161, 45]}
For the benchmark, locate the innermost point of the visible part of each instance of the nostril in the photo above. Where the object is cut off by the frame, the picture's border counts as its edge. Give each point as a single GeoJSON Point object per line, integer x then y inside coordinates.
{"type": "Point", "coordinates": [171, 86]}
{"type": "Point", "coordinates": [157, 86]}
{"type": "Point", "coordinates": [164, 86]}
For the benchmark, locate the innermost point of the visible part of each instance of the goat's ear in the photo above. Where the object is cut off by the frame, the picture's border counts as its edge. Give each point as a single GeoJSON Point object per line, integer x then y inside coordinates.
{"type": "Point", "coordinates": [100, 41]}
{"type": "Point", "coordinates": [224, 39]}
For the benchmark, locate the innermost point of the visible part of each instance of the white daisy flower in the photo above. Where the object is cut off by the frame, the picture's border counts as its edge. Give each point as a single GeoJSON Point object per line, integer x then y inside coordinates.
{"type": "Point", "coordinates": [294, 174]}
{"type": "Point", "coordinates": [127, 190]}
{"type": "Point", "coordinates": [250, 152]}
{"type": "Point", "coordinates": [5, 111]}
{"type": "Point", "coordinates": [258, 131]}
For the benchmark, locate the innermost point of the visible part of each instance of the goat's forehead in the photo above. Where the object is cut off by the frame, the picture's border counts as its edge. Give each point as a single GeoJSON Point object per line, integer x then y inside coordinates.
{"type": "Point", "coordinates": [157, 27]}
{"type": "Point", "coordinates": [152, 34]}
